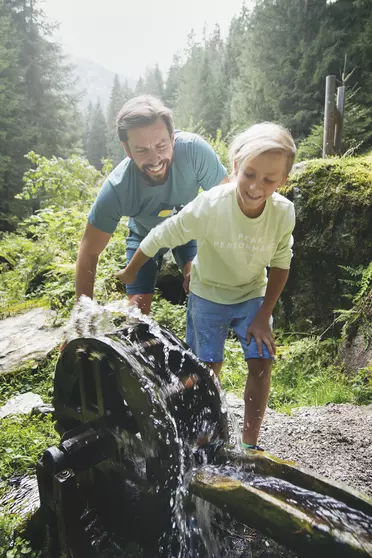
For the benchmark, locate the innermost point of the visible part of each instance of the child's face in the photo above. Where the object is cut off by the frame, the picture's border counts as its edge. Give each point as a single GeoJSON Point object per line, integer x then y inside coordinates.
{"type": "Point", "coordinates": [257, 179]}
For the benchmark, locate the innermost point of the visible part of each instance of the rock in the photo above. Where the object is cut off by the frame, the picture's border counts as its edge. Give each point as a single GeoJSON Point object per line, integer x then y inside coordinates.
{"type": "Point", "coordinates": [43, 410]}
{"type": "Point", "coordinates": [20, 404]}
{"type": "Point", "coordinates": [355, 355]}
{"type": "Point", "coordinates": [27, 337]}
{"type": "Point", "coordinates": [22, 496]}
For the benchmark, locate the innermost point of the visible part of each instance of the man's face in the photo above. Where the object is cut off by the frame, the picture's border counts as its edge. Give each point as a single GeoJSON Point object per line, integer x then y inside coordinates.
{"type": "Point", "coordinates": [151, 148]}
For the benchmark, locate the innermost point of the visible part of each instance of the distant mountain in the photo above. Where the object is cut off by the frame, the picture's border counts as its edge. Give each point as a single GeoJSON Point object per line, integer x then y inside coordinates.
{"type": "Point", "coordinates": [95, 81]}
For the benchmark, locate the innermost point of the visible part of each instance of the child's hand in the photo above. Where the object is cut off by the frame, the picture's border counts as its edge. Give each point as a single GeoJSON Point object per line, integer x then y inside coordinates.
{"type": "Point", "coordinates": [262, 332]}
{"type": "Point", "coordinates": [126, 275]}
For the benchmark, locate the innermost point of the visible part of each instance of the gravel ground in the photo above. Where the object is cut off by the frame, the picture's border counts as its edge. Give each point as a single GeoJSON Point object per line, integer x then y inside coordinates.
{"type": "Point", "coordinates": [333, 440]}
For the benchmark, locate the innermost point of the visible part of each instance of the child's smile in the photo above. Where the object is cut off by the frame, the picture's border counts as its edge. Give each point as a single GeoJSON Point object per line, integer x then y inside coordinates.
{"type": "Point", "coordinates": [257, 179]}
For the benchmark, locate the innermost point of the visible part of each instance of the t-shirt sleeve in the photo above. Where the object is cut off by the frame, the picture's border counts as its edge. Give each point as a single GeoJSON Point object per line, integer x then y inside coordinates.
{"type": "Point", "coordinates": [208, 167]}
{"type": "Point", "coordinates": [283, 255]}
{"type": "Point", "coordinates": [189, 224]}
{"type": "Point", "coordinates": [105, 213]}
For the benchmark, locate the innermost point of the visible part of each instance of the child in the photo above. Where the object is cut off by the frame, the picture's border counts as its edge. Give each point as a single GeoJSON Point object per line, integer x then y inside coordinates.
{"type": "Point", "coordinates": [241, 228]}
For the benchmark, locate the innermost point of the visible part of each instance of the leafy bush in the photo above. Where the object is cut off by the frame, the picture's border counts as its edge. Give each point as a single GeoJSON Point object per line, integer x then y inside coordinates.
{"type": "Point", "coordinates": [60, 182]}
{"type": "Point", "coordinates": [359, 317]}
{"type": "Point", "coordinates": [172, 316]}
{"type": "Point", "coordinates": [37, 262]}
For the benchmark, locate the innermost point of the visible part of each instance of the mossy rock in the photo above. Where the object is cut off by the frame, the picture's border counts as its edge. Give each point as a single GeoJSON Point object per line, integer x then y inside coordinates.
{"type": "Point", "coordinates": [333, 229]}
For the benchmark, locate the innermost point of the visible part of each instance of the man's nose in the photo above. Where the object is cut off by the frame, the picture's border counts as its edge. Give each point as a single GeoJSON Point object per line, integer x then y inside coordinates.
{"type": "Point", "coordinates": [153, 157]}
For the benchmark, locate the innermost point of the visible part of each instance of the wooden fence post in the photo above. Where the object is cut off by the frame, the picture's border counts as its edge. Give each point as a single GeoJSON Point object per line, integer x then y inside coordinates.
{"type": "Point", "coordinates": [340, 105]}
{"type": "Point", "coordinates": [329, 116]}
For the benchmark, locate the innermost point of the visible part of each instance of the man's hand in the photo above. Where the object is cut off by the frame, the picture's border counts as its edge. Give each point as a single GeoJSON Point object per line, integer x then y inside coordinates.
{"type": "Point", "coordinates": [186, 277]}
{"type": "Point", "coordinates": [262, 332]}
{"type": "Point", "coordinates": [126, 275]}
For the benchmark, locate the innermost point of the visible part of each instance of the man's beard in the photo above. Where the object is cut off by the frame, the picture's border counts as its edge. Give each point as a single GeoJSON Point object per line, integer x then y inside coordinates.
{"type": "Point", "coordinates": [153, 180]}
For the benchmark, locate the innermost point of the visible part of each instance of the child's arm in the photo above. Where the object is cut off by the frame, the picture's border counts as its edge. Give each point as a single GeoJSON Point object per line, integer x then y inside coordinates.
{"type": "Point", "coordinates": [260, 328]}
{"type": "Point", "coordinates": [188, 224]}
{"type": "Point", "coordinates": [279, 270]}
{"type": "Point", "coordinates": [128, 274]}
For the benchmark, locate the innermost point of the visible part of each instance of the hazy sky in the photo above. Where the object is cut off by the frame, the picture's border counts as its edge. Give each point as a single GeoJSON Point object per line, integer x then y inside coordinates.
{"type": "Point", "coordinates": [126, 36]}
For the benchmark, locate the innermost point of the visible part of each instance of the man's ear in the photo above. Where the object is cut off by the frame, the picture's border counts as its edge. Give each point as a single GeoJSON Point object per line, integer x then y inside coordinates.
{"type": "Point", "coordinates": [126, 149]}
{"type": "Point", "coordinates": [235, 168]}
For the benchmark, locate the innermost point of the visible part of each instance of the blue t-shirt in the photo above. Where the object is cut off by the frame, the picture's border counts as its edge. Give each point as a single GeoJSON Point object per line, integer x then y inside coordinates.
{"type": "Point", "coordinates": [127, 193]}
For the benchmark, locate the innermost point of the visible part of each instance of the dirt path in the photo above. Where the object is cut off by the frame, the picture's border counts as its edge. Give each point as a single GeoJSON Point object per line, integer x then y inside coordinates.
{"type": "Point", "coordinates": [333, 440]}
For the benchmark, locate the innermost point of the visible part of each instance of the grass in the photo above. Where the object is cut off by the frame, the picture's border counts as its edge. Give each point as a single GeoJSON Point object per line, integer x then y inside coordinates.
{"type": "Point", "coordinates": [23, 439]}
{"type": "Point", "coordinates": [304, 374]}
{"type": "Point", "coordinates": [35, 377]}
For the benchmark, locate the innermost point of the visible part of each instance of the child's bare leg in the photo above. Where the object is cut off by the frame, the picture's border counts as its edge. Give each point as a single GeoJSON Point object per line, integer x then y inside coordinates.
{"type": "Point", "coordinates": [216, 367]}
{"type": "Point", "coordinates": [255, 397]}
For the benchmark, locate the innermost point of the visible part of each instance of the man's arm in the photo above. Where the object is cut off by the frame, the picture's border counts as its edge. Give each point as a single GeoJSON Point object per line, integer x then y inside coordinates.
{"type": "Point", "coordinates": [92, 244]}
{"type": "Point", "coordinates": [260, 328]}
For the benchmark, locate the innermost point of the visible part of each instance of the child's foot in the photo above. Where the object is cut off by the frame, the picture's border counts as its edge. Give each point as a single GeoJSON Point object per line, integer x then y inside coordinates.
{"type": "Point", "coordinates": [251, 447]}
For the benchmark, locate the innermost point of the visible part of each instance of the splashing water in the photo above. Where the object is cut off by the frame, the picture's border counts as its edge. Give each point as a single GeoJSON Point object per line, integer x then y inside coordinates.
{"type": "Point", "coordinates": [175, 429]}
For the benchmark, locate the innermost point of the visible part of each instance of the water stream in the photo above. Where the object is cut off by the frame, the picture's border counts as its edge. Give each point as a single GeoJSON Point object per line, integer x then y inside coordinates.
{"type": "Point", "coordinates": [174, 424]}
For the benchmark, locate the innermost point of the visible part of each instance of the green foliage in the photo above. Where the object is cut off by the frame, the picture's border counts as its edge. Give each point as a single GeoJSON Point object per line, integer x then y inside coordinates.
{"type": "Point", "coordinates": [60, 182]}
{"type": "Point", "coordinates": [37, 378]}
{"type": "Point", "coordinates": [172, 316]}
{"type": "Point", "coordinates": [24, 438]}
{"type": "Point", "coordinates": [234, 371]}
{"type": "Point", "coordinates": [11, 545]}
{"type": "Point", "coordinates": [220, 146]}
{"type": "Point", "coordinates": [358, 319]}
{"type": "Point", "coordinates": [37, 107]}
{"type": "Point", "coordinates": [362, 386]}
{"type": "Point", "coordinates": [119, 95]}
{"type": "Point", "coordinates": [44, 251]}
{"type": "Point", "coordinates": [356, 134]}
{"type": "Point", "coordinates": [334, 214]}
{"type": "Point", "coordinates": [304, 374]}
{"type": "Point", "coordinates": [39, 259]}
{"type": "Point", "coordinates": [96, 148]}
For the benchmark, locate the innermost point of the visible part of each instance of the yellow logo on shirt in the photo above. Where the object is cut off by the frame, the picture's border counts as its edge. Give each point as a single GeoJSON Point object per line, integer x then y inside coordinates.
{"type": "Point", "coordinates": [166, 213]}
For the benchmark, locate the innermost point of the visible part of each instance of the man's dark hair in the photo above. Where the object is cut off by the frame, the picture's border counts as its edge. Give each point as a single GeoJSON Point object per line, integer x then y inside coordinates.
{"type": "Point", "coordinates": [142, 111]}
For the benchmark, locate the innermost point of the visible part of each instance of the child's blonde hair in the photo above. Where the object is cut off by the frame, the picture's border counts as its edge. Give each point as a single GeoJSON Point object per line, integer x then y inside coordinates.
{"type": "Point", "coordinates": [259, 139]}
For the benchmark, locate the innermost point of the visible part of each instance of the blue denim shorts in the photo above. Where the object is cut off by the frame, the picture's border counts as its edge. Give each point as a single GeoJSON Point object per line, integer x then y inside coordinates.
{"type": "Point", "coordinates": [208, 325]}
{"type": "Point", "coordinates": [146, 277]}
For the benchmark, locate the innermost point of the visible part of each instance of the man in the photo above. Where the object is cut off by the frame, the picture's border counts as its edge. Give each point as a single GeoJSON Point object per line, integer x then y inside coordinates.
{"type": "Point", "coordinates": [162, 172]}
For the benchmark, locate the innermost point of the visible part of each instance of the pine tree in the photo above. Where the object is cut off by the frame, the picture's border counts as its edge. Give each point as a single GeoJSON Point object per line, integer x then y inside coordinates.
{"type": "Point", "coordinates": [140, 86]}
{"type": "Point", "coordinates": [153, 82]}
{"type": "Point", "coordinates": [173, 82]}
{"type": "Point", "coordinates": [38, 111]}
{"type": "Point", "coordinates": [97, 143]}
{"type": "Point", "coordinates": [114, 147]}
{"type": "Point", "coordinates": [288, 49]}
{"type": "Point", "coordinates": [87, 126]}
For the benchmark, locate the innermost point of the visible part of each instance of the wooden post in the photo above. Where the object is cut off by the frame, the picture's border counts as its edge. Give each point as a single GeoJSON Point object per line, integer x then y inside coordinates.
{"type": "Point", "coordinates": [340, 105]}
{"type": "Point", "coordinates": [329, 116]}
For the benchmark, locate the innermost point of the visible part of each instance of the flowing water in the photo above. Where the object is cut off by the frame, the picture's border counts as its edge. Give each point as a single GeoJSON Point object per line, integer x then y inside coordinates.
{"type": "Point", "coordinates": [175, 421]}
